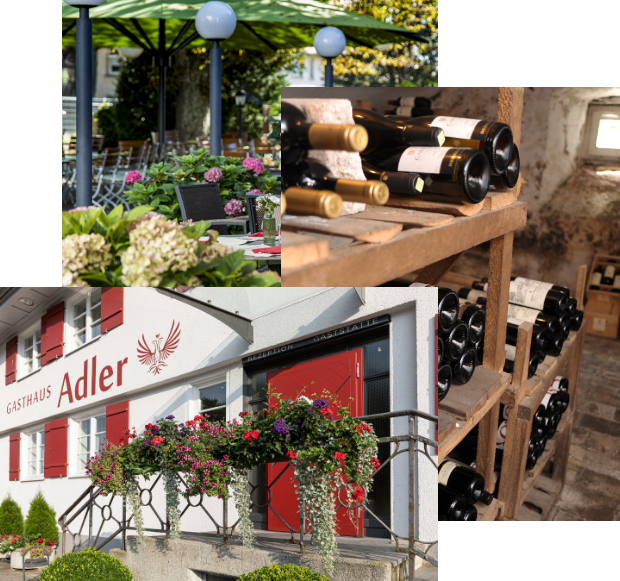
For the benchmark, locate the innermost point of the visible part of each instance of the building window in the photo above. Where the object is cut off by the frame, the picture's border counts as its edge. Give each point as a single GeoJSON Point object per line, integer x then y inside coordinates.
{"type": "Point", "coordinates": [31, 356]}
{"type": "Point", "coordinates": [91, 433]}
{"type": "Point", "coordinates": [36, 453]}
{"type": "Point", "coordinates": [86, 321]}
{"type": "Point", "coordinates": [601, 140]}
{"type": "Point", "coordinates": [114, 65]}
{"type": "Point", "coordinates": [213, 401]}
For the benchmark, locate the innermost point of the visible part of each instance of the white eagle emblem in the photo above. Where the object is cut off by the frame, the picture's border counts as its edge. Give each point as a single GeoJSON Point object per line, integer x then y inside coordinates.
{"type": "Point", "coordinates": [155, 359]}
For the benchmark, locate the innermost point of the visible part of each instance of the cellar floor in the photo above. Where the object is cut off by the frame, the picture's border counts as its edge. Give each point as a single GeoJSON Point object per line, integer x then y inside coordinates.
{"type": "Point", "coordinates": [592, 488]}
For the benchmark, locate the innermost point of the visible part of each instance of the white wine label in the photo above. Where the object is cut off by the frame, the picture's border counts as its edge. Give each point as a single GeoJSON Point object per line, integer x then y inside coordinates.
{"type": "Point", "coordinates": [418, 284]}
{"type": "Point", "coordinates": [501, 435]}
{"type": "Point", "coordinates": [407, 102]}
{"type": "Point", "coordinates": [473, 295]}
{"type": "Point", "coordinates": [522, 314]}
{"type": "Point", "coordinates": [505, 412]}
{"type": "Point", "coordinates": [599, 324]}
{"type": "Point", "coordinates": [617, 281]}
{"type": "Point", "coordinates": [445, 471]}
{"type": "Point", "coordinates": [529, 293]}
{"type": "Point", "coordinates": [511, 351]}
{"type": "Point", "coordinates": [610, 271]}
{"type": "Point", "coordinates": [473, 464]}
{"type": "Point", "coordinates": [404, 109]}
{"type": "Point", "coordinates": [596, 278]}
{"type": "Point", "coordinates": [546, 399]}
{"type": "Point", "coordinates": [422, 159]}
{"type": "Point", "coordinates": [456, 126]}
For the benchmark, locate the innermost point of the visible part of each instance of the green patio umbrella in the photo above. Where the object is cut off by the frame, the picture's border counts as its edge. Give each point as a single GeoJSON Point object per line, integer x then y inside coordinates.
{"type": "Point", "coordinates": [164, 27]}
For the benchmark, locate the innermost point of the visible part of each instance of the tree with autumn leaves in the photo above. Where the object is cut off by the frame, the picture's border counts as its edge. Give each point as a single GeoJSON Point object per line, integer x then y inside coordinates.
{"type": "Point", "coordinates": [404, 64]}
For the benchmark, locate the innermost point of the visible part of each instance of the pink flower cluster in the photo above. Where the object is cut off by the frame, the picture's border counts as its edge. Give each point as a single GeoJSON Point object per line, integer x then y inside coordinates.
{"type": "Point", "coordinates": [132, 177]}
{"type": "Point", "coordinates": [213, 175]}
{"type": "Point", "coordinates": [234, 208]}
{"type": "Point", "coordinates": [253, 164]}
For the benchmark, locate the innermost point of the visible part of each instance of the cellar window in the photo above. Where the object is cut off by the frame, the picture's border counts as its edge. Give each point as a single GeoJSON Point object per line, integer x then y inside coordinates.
{"type": "Point", "coordinates": [601, 140]}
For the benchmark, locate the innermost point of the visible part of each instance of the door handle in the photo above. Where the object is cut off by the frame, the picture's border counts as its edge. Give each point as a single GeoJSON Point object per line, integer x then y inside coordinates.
{"type": "Point", "coordinates": [358, 370]}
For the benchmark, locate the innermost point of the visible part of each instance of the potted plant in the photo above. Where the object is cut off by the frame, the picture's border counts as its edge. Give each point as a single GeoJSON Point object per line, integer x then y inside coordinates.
{"type": "Point", "coordinates": [10, 543]}
{"type": "Point", "coordinates": [33, 554]}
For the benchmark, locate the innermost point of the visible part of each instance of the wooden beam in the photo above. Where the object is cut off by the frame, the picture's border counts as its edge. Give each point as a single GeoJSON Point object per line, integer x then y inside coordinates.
{"type": "Point", "coordinates": [362, 230]}
{"type": "Point", "coordinates": [487, 435]}
{"type": "Point", "coordinates": [500, 260]}
{"type": "Point", "coordinates": [433, 272]}
{"type": "Point", "coordinates": [510, 110]}
{"type": "Point", "coordinates": [300, 250]}
{"type": "Point", "coordinates": [522, 359]}
{"type": "Point", "coordinates": [580, 289]}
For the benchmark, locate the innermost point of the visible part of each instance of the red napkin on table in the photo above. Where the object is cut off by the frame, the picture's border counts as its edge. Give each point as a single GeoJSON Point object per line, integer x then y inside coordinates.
{"type": "Point", "coordinates": [259, 235]}
{"type": "Point", "coordinates": [272, 250]}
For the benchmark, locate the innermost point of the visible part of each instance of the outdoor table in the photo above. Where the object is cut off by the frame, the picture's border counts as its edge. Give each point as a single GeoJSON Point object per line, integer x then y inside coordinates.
{"type": "Point", "coordinates": [240, 242]}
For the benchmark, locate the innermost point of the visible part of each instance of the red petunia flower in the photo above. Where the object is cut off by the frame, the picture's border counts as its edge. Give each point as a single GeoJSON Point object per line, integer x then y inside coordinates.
{"type": "Point", "coordinates": [292, 455]}
{"type": "Point", "coordinates": [157, 440]}
{"type": "Point", "coordinates": [39, 540]}
{"type": "Point", "coordinates": [51, 543]}
{"type": "Point", "coordinates": [191, 423]}
{"type": "Point", "coordinates": [375, 462]}
{"type": "Point", "coordinates": [198, 418]}
{"type": "Point", "coordinates": [327, 412]}
{"type": "Point", "coordinates": [203, 425]}
{"type": "Point", "coordinates": [358, 494]}
{"type": "Point", "coordinates": [243, 414]}
{"type": "Point", "coordinates": [339, 456]}
{"type": "Point", "coordinates": [275, 407]}
{"type": "Point", "coordinates": [251, 436]}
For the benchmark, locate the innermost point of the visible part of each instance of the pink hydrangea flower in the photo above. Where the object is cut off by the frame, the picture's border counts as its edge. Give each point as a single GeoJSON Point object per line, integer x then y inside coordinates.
{"type": "Point", "coordinates": [132, 177]}
{"type": "Point", "coordinates": [83, 208]}
{"type": "Point", "coordinates": [234, 208]}
{"type": "Point", "coordinates": [255, 192]}
{"type": "Point", "coordinates": [214, 175]}
{"type": "Point", "coordinates": [253, 164]}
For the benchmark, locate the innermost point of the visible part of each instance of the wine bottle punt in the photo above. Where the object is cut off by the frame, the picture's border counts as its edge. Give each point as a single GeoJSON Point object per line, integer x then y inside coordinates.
{"type": "Point", "coordinates": [537, 295]}
{"type": "Point", "coordinates": [539, 336]}
{"type": "Point", "coordinates": [470, 512]}
{"type": "Point", "coordinates": [556, 342]}
{"type": "Point", "coordinates": [448, 308]}
{"type": "Point", "coordinates": [455, 341]}
{"type": "Point", "coordinates": [473, 316]}
{"type": "Point", "coordinates": [313, 202]}
{"type": "Point", "coordinates": [444, 380]}
{"type": "Point", "coordinates": [511, 351]}
{"type": "Point", "coordinates": [571, 306]}
{"type": "Point", "coordinates": [463, 369]}
{"type": "Point", "coordinates": [312, 174]}
{"type": "Point", "coordinates": [450, 504]}
{"type": "Point", "coordinates": [510, 177]}
{"type": "Point", "coordinates": [464, 480]}
{"type": "Point", "coordinates": [491, 137]}
{"type": "Point", "coordinates": [398, 183]}
{"type": "Point", "coordinates": [450, 174]}
{"type": "Point", "coordinates": [575, 322]}
{"type": "Point", "coordinates": [561, 382]}
{"type": "Point", "coordinates": [298, 136]}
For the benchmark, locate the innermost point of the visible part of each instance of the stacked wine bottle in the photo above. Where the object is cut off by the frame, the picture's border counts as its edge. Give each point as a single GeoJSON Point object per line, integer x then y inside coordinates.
{"type": "Point", "coordinates": [460, 340]}
{"type": "Point", "coordinates": [606, 276]}
{"type": "Point", "coordinates": [549, 307]}
{"type": "Point", "coordinates": [437, 158]}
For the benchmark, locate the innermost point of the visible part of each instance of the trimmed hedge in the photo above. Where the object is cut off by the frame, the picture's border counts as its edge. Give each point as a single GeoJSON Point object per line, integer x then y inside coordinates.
{"type": "Point", "coordinates": [41, 520]}
{"type": "Point", "coordinates": [87, 565]}
{"type": "Point", "coordinates": [11, 519]}
{"type": "Point", "coordinates": [283, 573]}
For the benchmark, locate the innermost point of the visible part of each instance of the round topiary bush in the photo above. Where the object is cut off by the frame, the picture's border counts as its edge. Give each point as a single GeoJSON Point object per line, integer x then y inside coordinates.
{"type": "Point", "coordinates": [86, 565]}
{"type": "Point", "coordinates": [283, 573]}
{"type": "Point", "coordinates": [11, 519]}
{"type": "Point", "coordinates": [41, 520]}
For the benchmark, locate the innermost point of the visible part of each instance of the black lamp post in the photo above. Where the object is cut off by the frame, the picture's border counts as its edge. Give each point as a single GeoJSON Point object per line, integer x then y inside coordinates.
{"type": "Point", "coordinates": [240, 101]}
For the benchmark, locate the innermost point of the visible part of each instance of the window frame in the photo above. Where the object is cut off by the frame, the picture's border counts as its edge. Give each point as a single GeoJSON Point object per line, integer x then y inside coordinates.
{"type": "Point", "coordinates": [110, 58]}
{"type": "Point", "coordinates": [26, 435]}
{"type": "Point", "coordinates": [211, 381]}
{"type": "Point", "coordinates": [21, 351]}
{"type": "Point", "coordinates": [74, 431]}
{"type": "Point", "coordinates": [590, 134]}
{"type": "Point", "coordinates": [70, 326]}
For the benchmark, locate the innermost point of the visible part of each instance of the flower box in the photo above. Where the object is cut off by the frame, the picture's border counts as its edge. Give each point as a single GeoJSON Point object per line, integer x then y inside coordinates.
{"type": "Point", "coordinates": [17, 560]}
{"type": "Point", "coordinates": [5, 555]}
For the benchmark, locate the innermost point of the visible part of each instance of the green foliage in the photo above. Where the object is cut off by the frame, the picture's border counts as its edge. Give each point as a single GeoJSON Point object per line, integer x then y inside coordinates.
{"type": "Point", "coordinates": [41, 520]}
{"type": "Point", "coordinates": [87, 565]}
{"type": "Point", "coordinates": [11, 519]}
{"type": "Point", "coordinates": [283, 573]}
{"type": "Point", "coordinates": [412, 62]}
{"type": "Point", "coordinates": [157, 189]}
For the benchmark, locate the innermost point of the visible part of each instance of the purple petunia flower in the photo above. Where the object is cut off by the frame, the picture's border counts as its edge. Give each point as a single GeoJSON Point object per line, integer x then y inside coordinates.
{"type": "Point", "coordinates": [320, 403]}
{"type": "Point", "coordinates": [170, 417]}
{"type": "Point", "coordinates": [280, 427]}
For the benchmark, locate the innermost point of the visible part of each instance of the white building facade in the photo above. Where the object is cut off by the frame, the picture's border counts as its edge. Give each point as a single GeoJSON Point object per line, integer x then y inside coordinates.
{"type": "Point", "coordinates": [72, 374]}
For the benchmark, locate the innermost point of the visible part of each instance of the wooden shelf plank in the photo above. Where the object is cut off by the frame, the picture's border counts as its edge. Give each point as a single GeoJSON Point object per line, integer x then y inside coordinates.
{"type": "Point", "coordinates": [434, 206]}
{"type": "Point", "coordinates": [403, 216]}
{"type": "Point", "coordinates": [447, 424]}
{"type": "Point", "coordinates": [363, 230]}
{"type": "Point", "coordinates": [488, 513]}
{"type": "Point", "coordinates": [300, 250]}
{"type": "Point", "coordinates": [412, 249]}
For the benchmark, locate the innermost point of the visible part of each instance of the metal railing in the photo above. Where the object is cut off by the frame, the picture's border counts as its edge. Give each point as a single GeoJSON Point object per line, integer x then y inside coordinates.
{"type": "Point", "coordinates": [91, 501]}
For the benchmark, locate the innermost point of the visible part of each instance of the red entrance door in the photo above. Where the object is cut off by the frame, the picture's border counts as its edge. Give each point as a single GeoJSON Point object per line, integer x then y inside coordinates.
{"type": "Point", "coordinates": [340, 375]}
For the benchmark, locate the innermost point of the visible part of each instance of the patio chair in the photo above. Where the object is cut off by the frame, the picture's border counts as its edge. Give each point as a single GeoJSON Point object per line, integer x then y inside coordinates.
{"type": "Point", "coordinates": [204, 202]}
{"type": "Point", "coordinates": [202, 141]}
{"type": "Point", "coordinates": [108, 179]}
{"type": "Point", "coordinates": [98, 143]}
{"type": "Point", "coordinates": [256, 215]}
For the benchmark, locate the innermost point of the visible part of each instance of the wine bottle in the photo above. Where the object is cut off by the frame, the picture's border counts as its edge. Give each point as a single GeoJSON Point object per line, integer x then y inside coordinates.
{"type": "Point", "coordinates": [474, 296]}
{"type": "Point", "coordinates": [556, 342]}
{"type": "Point", "coordinates": [479, 347]}
{"type": "Point", "coordinates": [444, 380]}
{"type": "Point", "coordinates": [398, 183]}
{"type": "Point", "coordinates": [455, 341]}
{"type": "Point", "coordinates": [298, 136]}
{"type": "Point", "coordinates": [510, 177]}
{"type": "Point", "coordinates": [561, 382]}
{"type": "Point", "coordinates": [450, 174]}
{"type": "Point", "coordinates": [564, 325]}
{"type": "Point", "coordinates": [282, 205]}
{"type": "Point", "coordinates": [549, 401]}
{"type": "Point", "coordinates": [616, 286]}
{"type": "Point", "coordinates": [440, 349]}
{"type": "Point", "coordinates": [511, 351]}
{"type": "Point", "coordinates": [313, 202]}
{"type": "Point", "coordinates": [597, 275]}
{"type": "Point", "coordinates": [462, 479]}
{"type": "Point", "coordinates": [492, 137]}
{"type": "Point", "coordinates": [463, 369]}
{"type": "Point", "coordinates": [312, 174]}
{"type": "Point", "coordinates": [518, 314]}
{"type": "Point", "coordinates": [500, 439]}
{"type": "Point", "coordinates": [608, 275]}
{"type": "Point", "coordinates": [539, 337]}
{"type": "Point", "coordinates": [470, 512]}
{"type": "Point", "coordinates": [473, 316]}
{"type": "Point", "coordinates": [421, 102]}
{"type": "Point", "coordinates": [537, 295]}
{"type": "Point", "coordinates": [571, 306]}
{"type": "Point", "coordinates": [448, 308]}
{"type": "Point", "coordinates": [450, 504]}
{"type": "Point", "coordinates": [575, 322]}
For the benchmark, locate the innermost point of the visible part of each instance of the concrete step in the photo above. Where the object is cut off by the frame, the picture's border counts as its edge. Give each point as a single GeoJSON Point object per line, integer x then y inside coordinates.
{"type": "Point", "coordinates": [427, 574]}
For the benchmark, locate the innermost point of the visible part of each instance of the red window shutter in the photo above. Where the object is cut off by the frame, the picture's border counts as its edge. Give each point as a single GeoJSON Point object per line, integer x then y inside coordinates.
{"type": "Point", "coordinates": [111, 308]}
{"type": "Point", "coordinates": [56, 446]}
{"type": "Point", "coordinates": [11, 361]}
{"type": "Point", "coordinates": [14, 440]}
{"type": "Point", "coordinates": [54, 333]}
{"type": "Point", "coordinates": [43, 340]}
{"type": "Point", "coordinates": [116, 422]}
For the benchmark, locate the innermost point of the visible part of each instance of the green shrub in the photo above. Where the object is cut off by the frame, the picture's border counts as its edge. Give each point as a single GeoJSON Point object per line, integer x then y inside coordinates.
{"type": "Point", "coordinates": [41, 520]}
{"type": "Point", "coordinates": [283, 573]}
{"type": "Point", "coordinates": [86, 565]}
{"type": "Point", "coordinates": [11, 519]}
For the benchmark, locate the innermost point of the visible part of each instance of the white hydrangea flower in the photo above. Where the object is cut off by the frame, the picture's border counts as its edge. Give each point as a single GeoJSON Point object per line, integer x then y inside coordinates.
{"type": "Point", "coordinates": [83, 253]}
{"type": "Point", "coordinates": [303, 398]}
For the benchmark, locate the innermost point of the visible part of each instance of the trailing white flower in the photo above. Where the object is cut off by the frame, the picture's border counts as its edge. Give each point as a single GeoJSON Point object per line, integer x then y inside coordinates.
{"type": "Point", "coordinates": [238, 485]}
{"type": "Point", "coordinates": [133, 495]}
{"type": "Point", "coordinates": [304, 399]}
{"type": "Point", "coordinates": [172, 503]}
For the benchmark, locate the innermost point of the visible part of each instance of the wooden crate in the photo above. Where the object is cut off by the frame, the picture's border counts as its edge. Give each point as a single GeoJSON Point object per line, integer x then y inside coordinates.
{"type": "Point", "coordinates": [602, 318]}
{"type": "Point", "coordinates": [604, 295]}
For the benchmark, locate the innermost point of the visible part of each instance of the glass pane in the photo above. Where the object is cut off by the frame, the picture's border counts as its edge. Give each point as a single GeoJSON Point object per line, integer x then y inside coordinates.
{"type": "Point", "coordinates": [28, 365]}
{"type": "Point", "coordinates": [33, 439]}
{"type": "Point", "coordinates": [79, 311]}
{"type": "Point", "coordinates": [95, 330]}
{"type": "Point", "coordinates": [28, 343]}
{"type": "Point", "coordinates": [95, 300]}
{"type": "Point", "coordinates": [84, 445]}
{"type": "Point", "coordinates": [80, 338]}
{"type": "Point", "coordinates": [377, 358]}
{"type": "Point", "coordinates": [32, 454]}
{"type": "Point", "coordinates": [100, 424]}
{"type": "Point", "coordinates": [85, 427]}
{"type": "Point", "coordinates": [608, 136]}
{"type": "Point", "coordinates": [211, 397]}
{"type": "Point", "coordinates": [100, 439]}
{"type": "Point", "coordinates": [215, 415]}
{"type": "Point", "coordinates": [41, 465]}
{"type": "Point", "coordinates": [41, 438]}
{"type": "Point", "coordinates": [32, 468]}
{"type": "Point", "coordinates": [38, 337]}
{"type": "Point", "coordinates": [259, 385]}
{"type": "Point", "coordinates": [82, 459]}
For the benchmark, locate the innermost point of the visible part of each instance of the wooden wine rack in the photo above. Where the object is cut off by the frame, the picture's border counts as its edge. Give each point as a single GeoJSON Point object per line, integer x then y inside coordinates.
{"type": "Point", "coordinates": [367, 250]}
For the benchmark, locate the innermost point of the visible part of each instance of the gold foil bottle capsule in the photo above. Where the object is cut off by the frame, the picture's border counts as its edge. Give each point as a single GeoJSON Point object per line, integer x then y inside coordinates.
{"type": "Point", "coordinates": [340, 137]}
{"type": "Point", "coordinates": [282, 205]}
{"type": "Point", "coordinates": [371, 192]}
{"type": "Point", "coordinates": [313, 202]}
